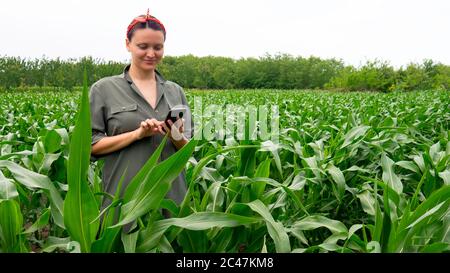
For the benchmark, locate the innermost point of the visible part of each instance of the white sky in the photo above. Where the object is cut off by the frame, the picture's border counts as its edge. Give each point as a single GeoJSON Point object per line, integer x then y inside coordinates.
{"type": "Point", "coordinates": [398, 31]}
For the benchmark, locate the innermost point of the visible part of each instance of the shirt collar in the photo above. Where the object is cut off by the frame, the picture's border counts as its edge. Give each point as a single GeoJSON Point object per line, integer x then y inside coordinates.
{"type": "Point", "coordinates": [159, 78]}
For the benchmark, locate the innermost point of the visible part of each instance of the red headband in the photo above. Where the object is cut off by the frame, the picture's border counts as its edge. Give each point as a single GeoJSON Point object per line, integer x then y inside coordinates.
{"type": "Point", "coordinates": [141, 19]}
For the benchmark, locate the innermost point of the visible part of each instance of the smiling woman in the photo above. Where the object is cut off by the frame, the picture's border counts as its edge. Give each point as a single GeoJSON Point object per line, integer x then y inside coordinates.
{"type": "Point", "coordinates": [128, 110]}
{"type": "Point", "coordinates": [145, 42]}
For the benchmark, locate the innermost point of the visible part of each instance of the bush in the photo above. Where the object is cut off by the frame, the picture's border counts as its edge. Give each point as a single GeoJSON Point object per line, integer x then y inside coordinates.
{"type": "Point", "coordinates": [280, 71]}
{"type": "Point", "coordinates": [373, 76]}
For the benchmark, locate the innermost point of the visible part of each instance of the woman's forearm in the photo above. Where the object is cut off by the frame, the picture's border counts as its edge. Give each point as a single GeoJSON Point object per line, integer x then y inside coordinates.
{"type": "Point", "coordinates": [180, 143]}
{"type": "Point", "coordinates": [111, 144]}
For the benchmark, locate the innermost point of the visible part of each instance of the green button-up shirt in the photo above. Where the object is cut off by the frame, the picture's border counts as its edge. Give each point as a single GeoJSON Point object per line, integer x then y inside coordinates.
{"type": "Point", "coordinates": [117, 106]}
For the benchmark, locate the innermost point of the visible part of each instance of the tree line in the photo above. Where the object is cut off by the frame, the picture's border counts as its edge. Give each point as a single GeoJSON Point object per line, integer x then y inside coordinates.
{"type": "Point", "coordinates": [280, 71]}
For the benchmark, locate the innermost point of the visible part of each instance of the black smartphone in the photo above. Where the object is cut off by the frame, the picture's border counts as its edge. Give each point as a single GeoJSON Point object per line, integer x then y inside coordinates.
{"type": "Point", "coordinates": [174, 114]}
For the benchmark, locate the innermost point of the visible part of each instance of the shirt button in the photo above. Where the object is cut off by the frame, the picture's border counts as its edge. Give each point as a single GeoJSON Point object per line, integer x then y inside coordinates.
{"type": "Point", "coordinates": [156, 111]}
{"type": "Point", "coordinates": [123, 108]}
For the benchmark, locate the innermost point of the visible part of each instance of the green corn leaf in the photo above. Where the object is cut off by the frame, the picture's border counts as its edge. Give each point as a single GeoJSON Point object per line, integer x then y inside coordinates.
{"type": "Point", "coordinates": [373, 247]}
{"type": "Point", "coordinates": [339, 179]}
{"type": "Point", "coordinates": [435, 153]}
{"type": "Point", "coordinates": [149, 238]}
{"type": "Point", "coordinates": [316, 221]}
{"type": "Point", "coordinates": [41, 222]}
{"type": "Point", "coordinates": [80, 205]}
{"type": "Point", "coordinates": [192, 241]}
{"type": "Point", "coordinates": [441, 195]}
{"type": "Point", "coordinates": [298, 203]}
{"type": "Point", "coordinates": [215, 194]}
{"type": "Point", "coordinates": [52, 141]}
{"type": "Point", "coordinates": [311, 163]}
{"type": "Point", "coordinates": [247, 162]}
{"type": "Point", "coordinates": [136, 181]}
{"type": "Point", "coordinates": [389, 176]}
{"type": "Point", "coordinates": [299, 235]}
{"type": "Point", "coordinates": [386, 230]}
{"type": "Point", "coordinates": [409, 166]}
{"type": "Point", "coordinates": [426, 214]}
{"type": "Point", "coordinates": [263, 170]}
{"type": "Point", "coordinates": [8, 189]}
{"type": "Point", "coordinates": [156, 185]}
{"type": "Point", "coordinates": [445, 175]}
{"type": "Point", "coordinates": [107, 242]}
{"type": "Point", "coordinates": [274, 149]}
{"type": "Point", "coordinates": [353, 229]}
{"type": "Point", "coordinates": [34, 180]}
{"type": "Point", "coordinates": [434, 207]}
{"type": "Point", "coordinates": [354, 134]}
{"type": "Point", "coordinates": [205, 160]}
{"type": "Point", "coordinates": [420, 161]}
{"type": "Point", "coordinates": [11, 221]}
{"type": "Point", "coordinates": [439, 247]}
{"type": "Point", "coordinates": [110, 215]}
{"type": "Point", "coordinates": [275, 229]}
{"type": "Point", "coordinates": [164, 245]}
{"type": "Point", "coordinates": [52, 243]}
{"type": "Point", "coordinates": [129, 241]}
{"type": "Point", "coordinates": [378, 228]}
{"type": "Point", "coordinates": [367, 202]}
{"type": "Point", "coordinates": [221, 241]}
{"type": "Point", "coordinates": [171, 206]}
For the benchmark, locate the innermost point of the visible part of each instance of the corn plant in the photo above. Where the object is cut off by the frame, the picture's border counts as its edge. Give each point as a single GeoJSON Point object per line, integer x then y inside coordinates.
{"type": "Point", "coordinates": [353, 172]}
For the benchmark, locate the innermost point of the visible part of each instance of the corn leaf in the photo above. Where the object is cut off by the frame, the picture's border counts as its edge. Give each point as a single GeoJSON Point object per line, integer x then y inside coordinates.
{"type": "Point", "coordinates": [41, 222]}
{"type": "Point", "coordinates": [339, 179]}
{"type": "Point", "coordinates": [317, 221]}
{"type": "Point", "coordinates": [80, 205]}
{"type": "Point", "coordinates": [275, 229]}
{"type": "Point", "coordinates": [136, 181]}
{"type": "Point", "coordinates": [34, 180]}
{"type": "Point", "coordinates": [8, 189]}
{"type": "Point", "coordinates": [11, 221]}
{"type": "Point", "coordinates": [150, 237]}
{"type": "Point", "coordinates": [389, 176]}
{"type": "Point", "coordinates": [354, 134]}
{"type": "Point", "coordinates": [156, 185]}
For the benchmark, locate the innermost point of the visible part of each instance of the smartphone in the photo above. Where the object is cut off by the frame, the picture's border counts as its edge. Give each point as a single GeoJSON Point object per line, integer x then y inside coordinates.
{"type": "Point", "coordinates": [174, 114]}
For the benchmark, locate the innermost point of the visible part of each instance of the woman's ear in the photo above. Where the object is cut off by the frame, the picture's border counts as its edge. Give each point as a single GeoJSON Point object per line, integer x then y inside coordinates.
{"type": "Point", "coordinates": [127, 44]}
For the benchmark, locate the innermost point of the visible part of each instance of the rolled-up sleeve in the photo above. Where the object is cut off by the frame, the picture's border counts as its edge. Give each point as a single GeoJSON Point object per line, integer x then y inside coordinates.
{"type": "Point", "coordinates": [97, 106]}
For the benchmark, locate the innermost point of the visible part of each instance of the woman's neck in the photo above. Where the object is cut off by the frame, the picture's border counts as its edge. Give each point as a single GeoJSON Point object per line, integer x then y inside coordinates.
{"type": "Point", "coordinates": [141, 75]}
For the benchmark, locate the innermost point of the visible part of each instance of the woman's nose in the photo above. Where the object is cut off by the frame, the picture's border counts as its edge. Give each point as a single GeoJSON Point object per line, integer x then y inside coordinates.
{"type": "Point", "coordinates": [150, 53]}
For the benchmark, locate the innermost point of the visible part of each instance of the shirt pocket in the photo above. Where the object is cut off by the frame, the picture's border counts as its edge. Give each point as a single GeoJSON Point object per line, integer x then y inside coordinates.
{"type": "Point", "coordinates": [123, 118]}
{"type": "Point", "coordinates": [125, 108]}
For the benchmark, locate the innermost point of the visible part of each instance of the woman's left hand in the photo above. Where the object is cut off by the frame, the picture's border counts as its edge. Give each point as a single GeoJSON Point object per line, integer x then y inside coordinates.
{"type": "Point", "coordinates": [175, 131]}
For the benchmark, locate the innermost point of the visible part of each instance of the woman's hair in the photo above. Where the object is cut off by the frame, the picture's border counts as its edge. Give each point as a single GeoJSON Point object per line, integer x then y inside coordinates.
{"type": "Point", "coordinates": [151, 23]}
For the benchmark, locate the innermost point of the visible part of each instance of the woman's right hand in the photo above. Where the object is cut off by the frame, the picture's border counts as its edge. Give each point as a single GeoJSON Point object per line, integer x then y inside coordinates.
{"type": "Point", "coordinates": [148, 127]}
{"type": "Point", "coordinates": [110, 144]}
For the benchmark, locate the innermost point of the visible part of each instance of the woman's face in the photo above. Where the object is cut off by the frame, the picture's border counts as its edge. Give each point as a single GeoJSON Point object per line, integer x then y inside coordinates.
{"type": "Point", "coordinates": [146, 48]}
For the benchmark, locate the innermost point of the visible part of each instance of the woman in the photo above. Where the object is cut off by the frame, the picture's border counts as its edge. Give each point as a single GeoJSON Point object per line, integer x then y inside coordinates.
{"type": "Point", "coordinates": [128, 110]}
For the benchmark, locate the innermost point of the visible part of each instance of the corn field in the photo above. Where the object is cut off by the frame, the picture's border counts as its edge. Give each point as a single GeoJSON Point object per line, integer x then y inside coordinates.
{"type": "Point", "coordinates": [352, 172]}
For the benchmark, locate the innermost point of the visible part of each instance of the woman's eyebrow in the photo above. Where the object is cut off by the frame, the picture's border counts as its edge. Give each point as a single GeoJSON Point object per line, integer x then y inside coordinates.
{"type": "Point", "coordinates": [143, 43]}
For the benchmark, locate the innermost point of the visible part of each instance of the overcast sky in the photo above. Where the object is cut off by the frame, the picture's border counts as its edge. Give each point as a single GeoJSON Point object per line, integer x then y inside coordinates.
{"type": "Point", "coordinates": [398, 31]}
